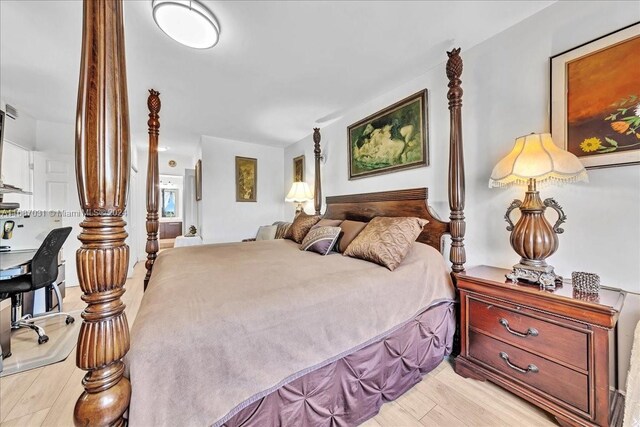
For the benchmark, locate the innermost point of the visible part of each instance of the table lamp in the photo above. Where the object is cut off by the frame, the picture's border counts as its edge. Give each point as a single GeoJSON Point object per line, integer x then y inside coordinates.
{"type": "Point", "coordinates": [299, 194]}
{"type": "Point", "coordinates": [536, 159]}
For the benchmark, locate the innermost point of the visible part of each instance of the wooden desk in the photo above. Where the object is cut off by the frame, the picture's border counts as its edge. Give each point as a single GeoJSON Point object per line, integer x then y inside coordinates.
{"type": "Point", "coordinates": [12, 263]}
{"type": "Point", "coordinates": [17, 263]}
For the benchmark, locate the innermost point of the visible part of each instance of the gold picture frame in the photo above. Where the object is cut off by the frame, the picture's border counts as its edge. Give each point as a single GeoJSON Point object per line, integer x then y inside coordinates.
{"type": "Point", "coordinates": [298, 169]}
{"type": "Point", "coordinates": [595, 99]}
{"type": "Point", "coordinates": [198, 180]}
{"type": "Point", "coordinates": [393, 139]}
{"type": "Point", "coordinates": [246, 179]}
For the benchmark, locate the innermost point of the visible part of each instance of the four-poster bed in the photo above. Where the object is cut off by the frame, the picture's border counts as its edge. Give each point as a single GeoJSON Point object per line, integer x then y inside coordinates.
{"type": "Point", "coordinates": [102, 164]}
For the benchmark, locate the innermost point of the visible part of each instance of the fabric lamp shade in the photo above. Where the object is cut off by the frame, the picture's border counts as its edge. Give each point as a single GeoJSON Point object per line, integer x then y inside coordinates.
{"type": "Point", "coordinates": [299, 193]}
{"type": "Point", "coordinates": [535, 156]}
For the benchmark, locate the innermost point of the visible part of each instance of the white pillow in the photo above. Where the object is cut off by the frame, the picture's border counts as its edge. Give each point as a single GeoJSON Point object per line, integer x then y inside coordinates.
{"type": "Point", "coordinates": [267, 232]}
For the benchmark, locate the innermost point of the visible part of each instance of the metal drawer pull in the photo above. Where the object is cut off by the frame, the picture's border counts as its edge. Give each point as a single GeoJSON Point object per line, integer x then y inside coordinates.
{"type": "Point", "coordinates": [531, 368]}
{"type": "Point", "coordinates": [531, 332]}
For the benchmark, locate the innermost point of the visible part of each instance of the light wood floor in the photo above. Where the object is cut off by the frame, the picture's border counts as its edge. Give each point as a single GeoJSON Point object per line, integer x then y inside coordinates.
{"type": "Point", "coordinates": [46, 396]}
{"type": "Point", "coordinates": [166, 243]}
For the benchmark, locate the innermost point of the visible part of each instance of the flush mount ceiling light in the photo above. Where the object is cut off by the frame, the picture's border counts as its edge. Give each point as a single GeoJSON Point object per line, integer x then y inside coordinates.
{"type": "Point", "coordinates": [188, 22]}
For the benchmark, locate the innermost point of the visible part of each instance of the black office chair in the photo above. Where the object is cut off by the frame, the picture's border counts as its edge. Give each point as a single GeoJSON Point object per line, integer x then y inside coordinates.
{"type": "Point", "coordinates": [44, 272]}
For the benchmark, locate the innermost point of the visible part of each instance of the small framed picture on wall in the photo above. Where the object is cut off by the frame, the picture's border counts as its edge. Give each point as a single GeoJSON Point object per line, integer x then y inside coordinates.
{"type": "Point", "coordinates": [595, 99]}
{"type": "Point", "coordinates": [199, 180]}
{"type": "Point", "coordinates": [298, 169]}
{"type": "Point", "coordinates": [246, 179]}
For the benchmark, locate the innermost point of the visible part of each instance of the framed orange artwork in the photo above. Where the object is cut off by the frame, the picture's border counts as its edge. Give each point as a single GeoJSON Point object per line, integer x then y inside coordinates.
{"type": "Point", "coordinates": [595, 99]}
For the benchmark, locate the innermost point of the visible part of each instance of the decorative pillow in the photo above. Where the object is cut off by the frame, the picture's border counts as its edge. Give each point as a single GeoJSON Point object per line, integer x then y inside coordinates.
{"type": "Point", "coordinates": [386, 240]}
{"type": "Point", "coordinates": [267, 232]}
{"type": "Point", "coordinates": [320, 239]}
{"type": "Point", "coordinates": [282, 228]}
{"type": "Point", "coordinates": [350, 229]}
{"type": "Point", "coordinates": [301, 226]}
{"type": "Point", "coordinates": [328, 223]}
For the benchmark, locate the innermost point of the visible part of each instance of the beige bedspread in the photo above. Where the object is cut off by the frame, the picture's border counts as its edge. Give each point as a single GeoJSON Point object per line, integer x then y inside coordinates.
{"type": "Point", "coordinates": [220, 324]}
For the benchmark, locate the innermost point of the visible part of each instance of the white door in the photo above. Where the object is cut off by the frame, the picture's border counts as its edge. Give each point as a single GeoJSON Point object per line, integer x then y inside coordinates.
{"type": "Point", "coordinates": [54, 189]}
{"type": "Point", "coordinates": [54, 182]}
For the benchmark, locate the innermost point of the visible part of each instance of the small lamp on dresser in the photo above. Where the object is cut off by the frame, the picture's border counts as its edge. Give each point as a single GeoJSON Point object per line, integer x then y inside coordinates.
{"type": "Point", "coordinates": [299, 193]}
{"type": "Point", "coordinates": [535, 159]}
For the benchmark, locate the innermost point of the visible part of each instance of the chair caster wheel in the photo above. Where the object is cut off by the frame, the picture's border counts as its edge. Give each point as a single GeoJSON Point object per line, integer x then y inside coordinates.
{"type": "Point", "coordinates": [43, 339]}
{"type": "Point", "coordinates": [69, 320]}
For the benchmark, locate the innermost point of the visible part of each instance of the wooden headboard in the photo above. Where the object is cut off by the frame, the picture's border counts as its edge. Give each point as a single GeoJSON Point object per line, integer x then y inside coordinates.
{"type": "Point", "coordinates": [413, 202]}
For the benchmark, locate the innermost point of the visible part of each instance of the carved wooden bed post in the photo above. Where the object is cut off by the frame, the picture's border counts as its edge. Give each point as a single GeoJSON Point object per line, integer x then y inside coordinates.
{"type": "Point", "coordinates": [457, 255]}
{"type": "Point", "coordinates": [317, 186]}
{"type": "Point", "coordinates": [102, 172]}
{"type": "Point", "coordinates": [153, 183]}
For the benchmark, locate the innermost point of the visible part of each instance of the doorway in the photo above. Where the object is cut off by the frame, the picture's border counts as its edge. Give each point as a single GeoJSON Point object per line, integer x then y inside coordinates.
{"type": "Point", "coordinates": [171, 209]}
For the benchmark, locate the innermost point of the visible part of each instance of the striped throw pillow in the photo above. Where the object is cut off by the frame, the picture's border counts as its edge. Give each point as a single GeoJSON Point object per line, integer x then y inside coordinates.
{"type": "Point", "coordinates": [282, 229]}
{"type": "Point", "coordinates": [320, 239]}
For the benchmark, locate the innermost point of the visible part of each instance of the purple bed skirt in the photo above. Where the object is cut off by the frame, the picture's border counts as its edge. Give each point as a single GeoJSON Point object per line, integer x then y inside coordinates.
{"type": "Point", "coordinates": [352, 389]}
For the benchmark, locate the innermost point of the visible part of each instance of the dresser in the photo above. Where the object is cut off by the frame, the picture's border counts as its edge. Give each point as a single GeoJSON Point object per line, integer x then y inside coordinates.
{"type": "Point", "coordinates": [170, 229]}
{"type": "Point", "coordinates": [556, 349]}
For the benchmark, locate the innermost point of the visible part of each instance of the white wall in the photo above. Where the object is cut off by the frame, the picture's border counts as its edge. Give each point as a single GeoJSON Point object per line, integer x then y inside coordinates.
{"type": "Point", "coordinates": [183, 161]}
{"type": "Point", "coordinates": [20, 131]}
{"type": "Point", "coordinates": [223, 219]}
{"type": "Point", "coordinates": [506, 94]}
{"type": "Point", "coordinates": [55, 137]}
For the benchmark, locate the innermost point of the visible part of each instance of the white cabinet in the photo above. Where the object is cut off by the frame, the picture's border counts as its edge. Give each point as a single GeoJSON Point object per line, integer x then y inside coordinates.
{"type": "Point", "coordinates": [16, 171]}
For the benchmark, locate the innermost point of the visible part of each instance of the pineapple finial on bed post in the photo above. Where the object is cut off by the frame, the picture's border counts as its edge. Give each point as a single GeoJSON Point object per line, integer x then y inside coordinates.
{"type": "Point", "coordinates": [457, 253]}
{"type": "Point", "coordinates": [317, 199]}
{"type": "Point", "coordinates": [153, 183]}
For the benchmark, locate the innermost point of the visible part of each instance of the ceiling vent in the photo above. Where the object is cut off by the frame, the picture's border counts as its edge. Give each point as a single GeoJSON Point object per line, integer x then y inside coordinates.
{"type": "Point", "coordinates": [11, 111]}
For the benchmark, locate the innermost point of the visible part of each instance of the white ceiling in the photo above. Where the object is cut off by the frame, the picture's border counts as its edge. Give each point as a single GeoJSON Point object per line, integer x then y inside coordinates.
{"type": "Point", "coordinates": [279, 67]}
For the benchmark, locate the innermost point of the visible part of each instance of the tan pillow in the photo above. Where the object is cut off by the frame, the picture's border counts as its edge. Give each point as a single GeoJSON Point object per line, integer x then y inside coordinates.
{"type": "Point", "coordinates": [350, 230]}
{"type": "Point", "coordinates": [386, 240]}
{"type": "Point", "coordinates": [301, 226]}
{"type": "Point", "coordinates": [328, 223]}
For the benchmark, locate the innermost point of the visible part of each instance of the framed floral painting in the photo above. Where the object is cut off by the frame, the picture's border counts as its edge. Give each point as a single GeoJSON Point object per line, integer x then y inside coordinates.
{"type": "Point", "coordinates": [246, 179]}
{"type": "Point", "coordinates": [595, 99]}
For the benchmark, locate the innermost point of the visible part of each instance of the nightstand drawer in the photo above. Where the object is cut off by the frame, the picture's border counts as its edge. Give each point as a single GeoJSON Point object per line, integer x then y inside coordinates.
{"type": "Point", "coordinates": [542, 374]}
{"type": "Point", "coordinates": [546, 338]}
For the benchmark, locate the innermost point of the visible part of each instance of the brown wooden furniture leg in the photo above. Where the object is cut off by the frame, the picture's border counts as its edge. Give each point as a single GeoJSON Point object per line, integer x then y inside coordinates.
{"type": "Point", "coordinates": [461, 368]}
{"type": "Point", "coordinates": [102, 172]}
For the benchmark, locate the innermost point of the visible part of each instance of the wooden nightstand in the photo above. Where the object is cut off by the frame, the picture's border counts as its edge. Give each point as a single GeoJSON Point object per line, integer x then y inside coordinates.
{"type": "Point", "coordinates": [549, 347]}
